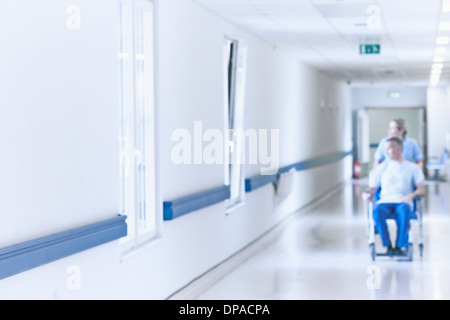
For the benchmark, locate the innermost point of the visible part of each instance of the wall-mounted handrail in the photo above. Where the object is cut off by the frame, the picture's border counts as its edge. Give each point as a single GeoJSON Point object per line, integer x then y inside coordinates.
{"type": "Point", "coordinates": [258, 181]}
{"type": "Point", "coordinates": [178, 207]}
{"type": "Point", "coordinates": [181, 206]}
{"type": "Point", "coordinates": [34, 253]}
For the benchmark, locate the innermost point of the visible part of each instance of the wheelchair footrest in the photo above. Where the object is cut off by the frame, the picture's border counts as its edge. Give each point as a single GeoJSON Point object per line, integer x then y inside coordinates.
{"type": "Point", "coordinates": [395, 254]}
{"type": "Point", "coordinates": [399, 254]}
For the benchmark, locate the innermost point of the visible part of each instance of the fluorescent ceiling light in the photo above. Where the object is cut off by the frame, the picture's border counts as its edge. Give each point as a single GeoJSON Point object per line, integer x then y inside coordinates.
{"type": "Point", "coordinates": [437, 66]}
{"type": "Point", "coordinates": [435, 77]}
{"type": "Point", "coordinates": [438, 59]}
{"type": "Point", "coordinates": [434, 82]}
{"type": "Point", "coordinates": [440, 50]}
{"type": "Point", "coordinates": [442, 40]}
{"type": "Point", "coordinates": [436, 71]}
{"type": "Point", "coordinates": [446, 6]}
{"type": "Point", "coordinates": [444, 25]}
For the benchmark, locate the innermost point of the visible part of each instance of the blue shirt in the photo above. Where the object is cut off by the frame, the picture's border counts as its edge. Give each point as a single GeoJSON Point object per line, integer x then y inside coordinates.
{"type": "Point", "coordinates": [411, 150]}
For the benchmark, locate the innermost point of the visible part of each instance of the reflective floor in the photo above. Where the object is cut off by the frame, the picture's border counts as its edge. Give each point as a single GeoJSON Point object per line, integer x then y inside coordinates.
{"type": "Point", "coordinates": [322, 253]}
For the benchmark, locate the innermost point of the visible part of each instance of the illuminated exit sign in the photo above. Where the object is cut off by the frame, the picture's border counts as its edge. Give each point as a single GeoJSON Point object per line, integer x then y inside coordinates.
{"type": "Point", "coordinates": [369, 49]}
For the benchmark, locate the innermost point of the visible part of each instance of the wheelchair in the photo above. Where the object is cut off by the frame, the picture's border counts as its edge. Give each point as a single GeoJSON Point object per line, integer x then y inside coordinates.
{"type": "Point", "coordinates": [372, 231]}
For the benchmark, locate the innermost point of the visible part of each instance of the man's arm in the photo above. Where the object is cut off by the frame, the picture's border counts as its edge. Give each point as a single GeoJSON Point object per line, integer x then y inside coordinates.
{"type": "Point", "coordinates": [368, 194]}
{"type": "Point", "coordinates": [375, 163]}
{"type": "Point", "coordinates": [420, 191]}
{"type": "Point", "coordinates": [420, 164]}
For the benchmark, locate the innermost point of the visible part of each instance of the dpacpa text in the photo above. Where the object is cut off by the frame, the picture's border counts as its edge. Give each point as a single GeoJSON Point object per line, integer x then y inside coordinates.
{"type": "Point", "coordinates": [227, 309]}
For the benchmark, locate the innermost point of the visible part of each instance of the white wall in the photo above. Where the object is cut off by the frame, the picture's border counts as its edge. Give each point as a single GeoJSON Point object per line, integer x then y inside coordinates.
{"type": "Point", "coordinates": [438, 118]}
{"type": "Point", "coordinates": [311, 111]}
{"type": "Point", "coordinates": [58, 135]}
{"type": "Point", "coordinates": [377, 96]}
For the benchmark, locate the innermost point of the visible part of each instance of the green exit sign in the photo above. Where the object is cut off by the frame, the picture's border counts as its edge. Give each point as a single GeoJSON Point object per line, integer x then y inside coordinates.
{"type": "Point", "coordinates": [369, 49]}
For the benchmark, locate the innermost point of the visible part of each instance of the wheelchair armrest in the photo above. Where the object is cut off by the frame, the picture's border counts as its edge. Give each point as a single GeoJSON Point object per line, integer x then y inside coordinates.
{"type": "Point", "coordinates": [418, 198]}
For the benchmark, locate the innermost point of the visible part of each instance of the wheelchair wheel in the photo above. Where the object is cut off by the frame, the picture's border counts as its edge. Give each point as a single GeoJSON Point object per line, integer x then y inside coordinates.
{"type": "Point", "coordinates": [410, 252]}
{"type": "Point", "coordinates": [372, 251]}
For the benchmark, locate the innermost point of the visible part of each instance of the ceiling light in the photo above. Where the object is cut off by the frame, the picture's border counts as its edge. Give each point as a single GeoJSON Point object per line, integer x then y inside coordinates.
{"type": "Point", "coordinates": [435, 77]}
{"type": "Point", "coordinates": [444, 25]}
{"type": "Point", "coordinates": [436, 71]}
{"type": "Point", "coordinates": [442, 40]}
{"type": "Point", "coordinates": [438, 59]}
{"type": "Point", "coordinates": [433, 83]}
{"type": "Point", "coordinates": [446, 6]}
{"type": "Point", "coordinates": [437, 66]}
{"type": "Point", "coordinates": [440, 50]}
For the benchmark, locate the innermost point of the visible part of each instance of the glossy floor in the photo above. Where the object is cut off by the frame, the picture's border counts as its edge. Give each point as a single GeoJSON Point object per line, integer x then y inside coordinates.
{"type": "Point", "coordinates": [323, 254]}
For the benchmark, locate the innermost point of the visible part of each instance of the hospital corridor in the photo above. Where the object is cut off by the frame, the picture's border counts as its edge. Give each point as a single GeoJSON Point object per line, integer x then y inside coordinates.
{"type": "Point", "coordinates": [322, 253]}
{"type": "Point", "coordinates": [190, 151]}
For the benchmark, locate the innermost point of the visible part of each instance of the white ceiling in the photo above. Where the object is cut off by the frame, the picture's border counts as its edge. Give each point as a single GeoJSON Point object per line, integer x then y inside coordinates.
{"type": "Point", "coordinates": [327, 34]}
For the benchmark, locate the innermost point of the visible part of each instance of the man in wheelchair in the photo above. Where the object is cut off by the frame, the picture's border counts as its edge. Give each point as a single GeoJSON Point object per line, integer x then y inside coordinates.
{"type": "Point", "coordinates": [397, 182]}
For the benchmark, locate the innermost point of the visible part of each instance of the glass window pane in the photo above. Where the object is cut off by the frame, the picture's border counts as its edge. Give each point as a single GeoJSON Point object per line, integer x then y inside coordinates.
{"type": "Point", "coordinates": [136, 112]}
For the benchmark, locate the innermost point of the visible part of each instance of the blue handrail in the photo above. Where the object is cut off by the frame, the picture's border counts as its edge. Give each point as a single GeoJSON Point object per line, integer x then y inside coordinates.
{"type": "Point", "coordinates": [33, 253]}
{"type": "Point", "coordinates": [258, 181]}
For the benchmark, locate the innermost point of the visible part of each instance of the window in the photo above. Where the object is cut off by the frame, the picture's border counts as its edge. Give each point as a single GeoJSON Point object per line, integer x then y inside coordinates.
{"type": "Point", "coordinates": [137, 120]}
{"type": "Point", "coordinates": [234, 71]}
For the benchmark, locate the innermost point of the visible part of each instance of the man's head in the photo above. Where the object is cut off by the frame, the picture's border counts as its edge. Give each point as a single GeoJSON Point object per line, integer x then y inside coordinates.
{"type": "Point", "coordinates": [394, 148]}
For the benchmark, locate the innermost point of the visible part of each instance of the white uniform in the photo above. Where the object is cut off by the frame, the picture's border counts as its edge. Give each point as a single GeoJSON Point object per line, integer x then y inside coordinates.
{"type": "Point", "coordinates": [396, 179]}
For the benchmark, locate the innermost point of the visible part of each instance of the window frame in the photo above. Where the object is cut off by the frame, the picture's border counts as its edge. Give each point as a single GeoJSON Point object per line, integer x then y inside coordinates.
{"type": "Point", "coordinates": [137, 123]}
{"type": "Point", "coordinates": [234, 89]}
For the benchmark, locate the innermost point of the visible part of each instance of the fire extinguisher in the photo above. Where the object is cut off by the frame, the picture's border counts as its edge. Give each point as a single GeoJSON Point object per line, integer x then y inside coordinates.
{"type": "Point", "coordinates": [356, 169]}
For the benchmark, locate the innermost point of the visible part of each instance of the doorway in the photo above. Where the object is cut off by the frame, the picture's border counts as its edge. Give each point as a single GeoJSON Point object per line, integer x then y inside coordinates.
{"type": "Point", "coordinates": [378, 118]}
